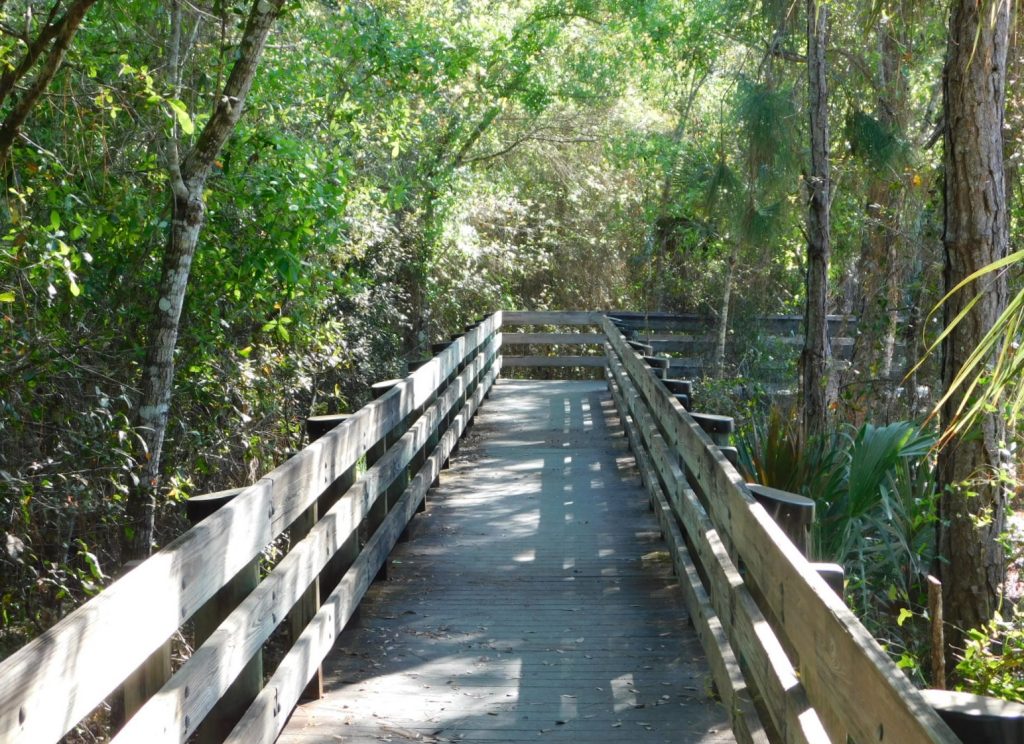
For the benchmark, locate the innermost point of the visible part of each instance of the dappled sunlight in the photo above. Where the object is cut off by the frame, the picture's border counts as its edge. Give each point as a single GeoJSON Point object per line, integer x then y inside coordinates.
{"type": "Point", "coordinates": [524, 607]}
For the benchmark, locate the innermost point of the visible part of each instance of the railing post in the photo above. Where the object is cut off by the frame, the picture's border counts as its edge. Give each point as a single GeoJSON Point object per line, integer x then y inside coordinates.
{"type": "Point", "coordinates": [978, 719]}
{"type": "Point", "coordinates": [461, 400]}
{"type": "Point", "coordinates": [659, 364]}
{"type": "Point", "coordinates": [316, 427]}
{"type": "Point", "coordinates": [233, 704]}
{"type": "Point", "coordinates": [432, 438]}
{"type": "Point", "coordinates": [446, 420]}
{"type": "Point", "coordinates": [717, 427]}
{"type": "Point", "coordinates": [145, 681]}
{"type": "Point", "coordinates": [792, 512]}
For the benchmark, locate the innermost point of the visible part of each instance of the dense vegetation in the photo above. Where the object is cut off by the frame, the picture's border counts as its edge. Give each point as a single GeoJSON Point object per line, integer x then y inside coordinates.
{"type": "Point", "coordinates": [402, 166]}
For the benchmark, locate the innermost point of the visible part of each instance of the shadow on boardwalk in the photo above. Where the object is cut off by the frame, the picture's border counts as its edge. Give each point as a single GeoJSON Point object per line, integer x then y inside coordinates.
{"type": "Point", "coordinates": [534, 602]}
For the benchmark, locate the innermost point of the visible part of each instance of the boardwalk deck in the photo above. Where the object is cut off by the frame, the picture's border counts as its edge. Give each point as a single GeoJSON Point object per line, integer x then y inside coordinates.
{"type": "Point", "coordinates": [534, 602]}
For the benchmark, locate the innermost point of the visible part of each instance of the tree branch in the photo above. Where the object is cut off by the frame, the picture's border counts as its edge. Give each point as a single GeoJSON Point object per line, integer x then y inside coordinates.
{"type": "Point", "coordinates": [198, 163]}
{"type": "Point", "coordinates": [68, 27]}
{"type": "Point", "coordinates": [178, 187]}
{"type": "Point", "coordinates": [35, 49]}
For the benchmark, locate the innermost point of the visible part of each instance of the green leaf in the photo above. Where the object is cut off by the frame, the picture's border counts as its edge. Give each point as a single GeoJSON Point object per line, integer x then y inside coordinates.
{"type": "Point", "coordinates": [184, 120]}
{"type": "Point", "coordinates": [905, 615]}
{"type": "Point", "coordinates": [244, 353]}
{"type": "Point", "coordinates": [6, 296]}
{"type": "Point", "coordinates": [73, 286]}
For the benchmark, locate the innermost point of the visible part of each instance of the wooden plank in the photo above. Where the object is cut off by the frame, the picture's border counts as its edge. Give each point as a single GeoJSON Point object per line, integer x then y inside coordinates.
{"type": "Point", "coordinates": [845, 669]}
{"type": "Point", "coordinates": [54, 681]}
{"type": "Point", "coordinates": [551, 361]}
{"type": "Point", "coordinates": [554, 338]}
{"type": "Point", "coordinates": [269, 712]}
{"type": "Point", "coordinates": [197, 686]}
{"type": "Point", "coordinates": [476, 639]}
{"type": "Point", "coordinates": [551, 317]}
{"type": "Point", "coordinates": [748, 630]}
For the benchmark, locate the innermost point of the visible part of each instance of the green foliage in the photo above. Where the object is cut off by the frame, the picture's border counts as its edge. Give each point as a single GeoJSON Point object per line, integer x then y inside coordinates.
{"type": "Point", "coordinates": [767, 117]}
{"type": "Point", "coordinates": [993, 660]}
{"type": "Point", "coordinates": [872, 140]}
{"type": "Point", "coordinates": [876, 515]}
{"type": "Point", "coordinates": [403, 166]}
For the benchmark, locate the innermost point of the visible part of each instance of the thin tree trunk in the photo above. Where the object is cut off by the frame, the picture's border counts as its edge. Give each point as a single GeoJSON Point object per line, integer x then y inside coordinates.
{"type": "Point", "coordinates": [188, 181]}
{"type": "Point", "coordinates": [723, 314]}
{"type": "Point", "coordinates": [664, 225]}
{"type": "Point", "coordinates": [973, 501]}
{"type": "Point", "coordinates": [816, 352]}
{"type": "Point", "coordinates": [878, 267]}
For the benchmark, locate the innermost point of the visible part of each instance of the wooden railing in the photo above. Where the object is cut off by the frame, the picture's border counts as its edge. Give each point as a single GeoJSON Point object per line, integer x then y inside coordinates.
{"type": "Point", "coordinates": [553, 342]}
{"type": "Point", "coordinates": [344, 500]}
{"type": "Point", "coordinates": [789, 659]}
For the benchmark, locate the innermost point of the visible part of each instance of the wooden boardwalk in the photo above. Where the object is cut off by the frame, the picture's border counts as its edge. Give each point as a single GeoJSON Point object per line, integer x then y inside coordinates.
{"type": "Point", "coordinates": [534, 602]}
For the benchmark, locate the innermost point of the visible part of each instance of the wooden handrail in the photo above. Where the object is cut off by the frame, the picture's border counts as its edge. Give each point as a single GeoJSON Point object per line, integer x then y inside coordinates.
{"type": "Point", "coordinates": [547, 339]}
{"type": "Point", "coordinates": [848, 682]}
{"type": "Point", "coordinates": [49, 685]}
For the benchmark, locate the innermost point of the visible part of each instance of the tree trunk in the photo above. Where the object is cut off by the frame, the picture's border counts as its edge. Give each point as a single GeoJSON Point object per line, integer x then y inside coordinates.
{"type": "Point", "coordinates": [188, 182]}
{"type": "Point", "coordinates": [976, 233]}
{"type": "Point", "coordinates": [877, 268]}
{"type": "Point", "coordinates": [816, 352]}
{"type": "Point", "coordinates": [723, 315]}
{"type": "Point", "coordinates": [663, 228]}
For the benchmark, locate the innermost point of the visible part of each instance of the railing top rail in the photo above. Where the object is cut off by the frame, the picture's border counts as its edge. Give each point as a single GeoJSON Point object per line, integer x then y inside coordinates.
{"type": "Point", "coordinates": [846, 671]}
{"type": "Point", "coordinates": [51, 683]}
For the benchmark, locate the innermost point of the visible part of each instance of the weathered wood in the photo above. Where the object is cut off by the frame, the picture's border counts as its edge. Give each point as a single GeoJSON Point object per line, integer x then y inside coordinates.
{"type": "Point", "coordinates": [749, 633]}
{"type": "Point", "coordinates": [575, 339]}
{"type": "Point", "coordinates": [935, 615]}
{"type": "Point", "coordinates": [51, 683]}
{"type": "Point", "coordinates": [546, 317]}
{"type": "Point", "coordinates": [316, 427]}
{"type": "Point", "coordinates": [834, 576]}
{"type": "Point", "coordinates": [268, 714]}
{"type": "Point", "coordinates": [197, 685]}
{"type": "Point", "coordinates": [844, 669]}
{"type": "Point", "coordinates": [245, 684]}
{"type": "Point", "coordinates": [641, 347]}
{"type": "Point", "coordinates": [503, 616]}
{"type": "Point", "coordinates": [307, 605]}
{"type": "Point", "coordinates": [977, 719]}
{"type": "Point", "coordinates": [792, 512]}
{"type": "Point", "coordinates": [551, 361]}
{"type": "Point", "coordinates": [145, 681]}
{"type": "Point", "coordinates": [717, 427]}
{"type": "Point", "coordinates": [678, 387]}
{"type": "Point", "coordinates": [725, 668]}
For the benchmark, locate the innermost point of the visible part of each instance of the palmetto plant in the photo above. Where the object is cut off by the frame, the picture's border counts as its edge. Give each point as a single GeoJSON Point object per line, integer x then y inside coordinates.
{"type": "Point", "coordinates": [875, 496]}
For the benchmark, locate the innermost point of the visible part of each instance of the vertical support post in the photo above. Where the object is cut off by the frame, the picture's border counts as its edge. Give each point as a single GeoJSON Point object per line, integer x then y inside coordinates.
{"type": "Point", "coordinates": [398, 485]}
{"type": "Point", "coordinates": [230, 708]}
{"type": "Point", "coordinates": [717, 427]}
{"type": "Point", "coordinates": [308, 603]}
{"type": "Point", "coordinates": [432, 439]}
{"type": "Point", "coordinates": [145, 681]}
{"type": "Point", "coordinates": [938, 633]}
{"type": "Point", "coordinates": [447, 419]}
{"type": "Point", "coordinates": [461, 401]}
{"type": "Point", "coordinates": [345, 556]}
